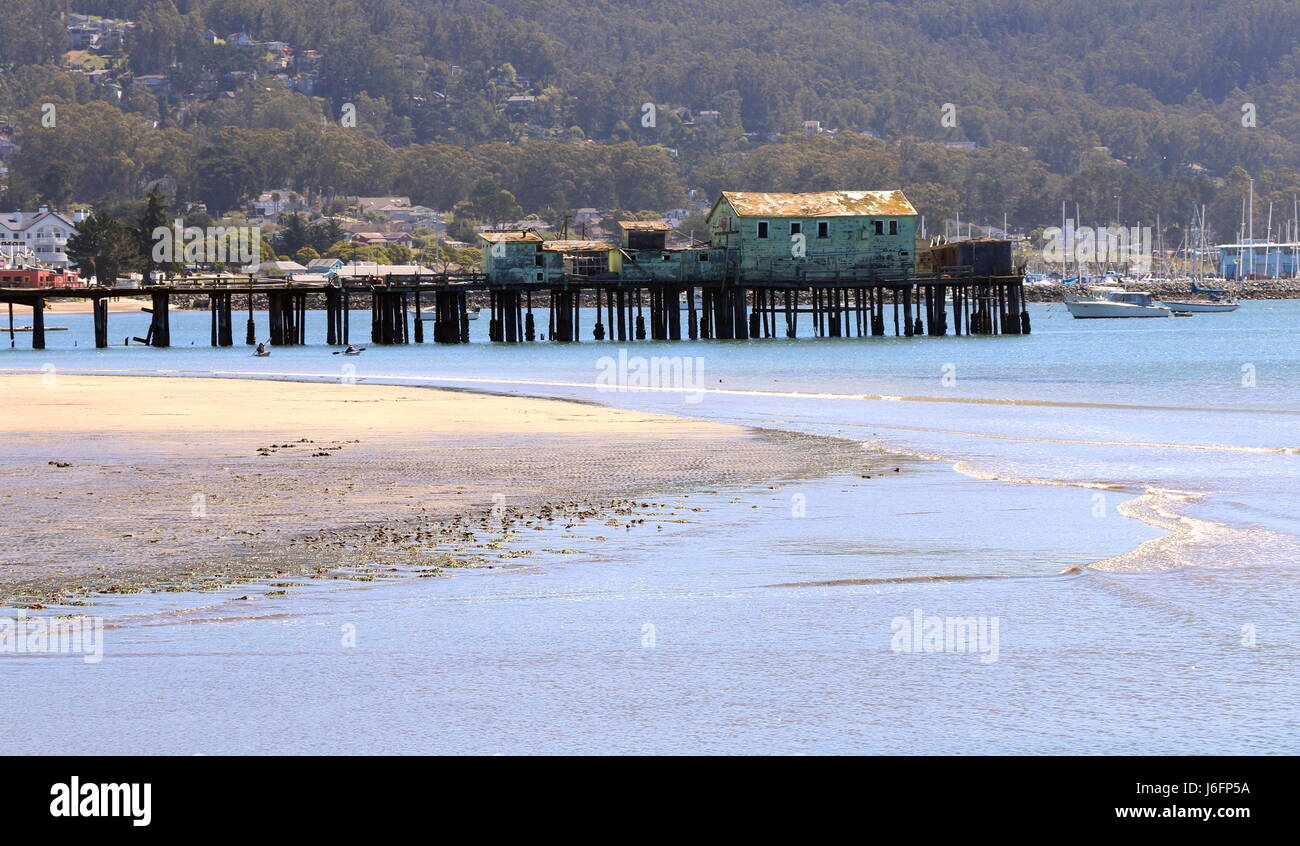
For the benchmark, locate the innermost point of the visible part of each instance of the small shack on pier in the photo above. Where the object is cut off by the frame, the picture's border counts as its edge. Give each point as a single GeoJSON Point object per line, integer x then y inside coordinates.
{"type": "Point", "coordinates": [648, 258]}
{"type": "Point", "coordinates": [521, 255]}
{"type": "Point", "coordinates": [511, 255]}
{"type": "Point", "coordinates": [643, 234]}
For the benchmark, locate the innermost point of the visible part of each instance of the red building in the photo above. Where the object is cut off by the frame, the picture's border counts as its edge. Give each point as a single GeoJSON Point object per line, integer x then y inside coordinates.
{"type": "Point", "coordinates": [31, 277]}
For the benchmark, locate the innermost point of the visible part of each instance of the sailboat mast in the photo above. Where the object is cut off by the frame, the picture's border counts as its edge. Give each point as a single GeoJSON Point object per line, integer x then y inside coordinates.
{"type": "Point", "coordinates": [1078, 262]}
{"type": "Point", "coordinates": [1250, 229]}
{"type": "Point", "coordinates": [1268, 239]}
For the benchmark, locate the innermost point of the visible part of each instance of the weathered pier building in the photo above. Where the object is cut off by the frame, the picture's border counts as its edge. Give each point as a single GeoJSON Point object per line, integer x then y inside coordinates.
{"type": "Point", "coordinates": [849, 260]}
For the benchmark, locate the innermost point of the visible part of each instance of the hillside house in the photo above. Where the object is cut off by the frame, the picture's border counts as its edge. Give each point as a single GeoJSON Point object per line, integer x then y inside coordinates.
{"type": "Point", "coordinates": [154, 83]}
{"type": "Point", "coordinates": [519, 104]}
{"type": "Point", "coordinates": [43, 233]}
{"type": "Point", "coordinates": [271, 204]}
{"type": "Point", "coordinates": [325, 267]}
{"type": "Point", "coordinates": [374, 205]}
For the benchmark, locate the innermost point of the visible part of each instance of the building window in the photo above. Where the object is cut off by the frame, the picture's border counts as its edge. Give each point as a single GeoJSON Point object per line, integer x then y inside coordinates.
{"type": "Point", "coordinates": [796, 227]}
{"type": "Point", "coordinates": [540, 276]}
{"type": "Point", "coordinates": [893, 227]}
{"type": "Point", "coordinates": [704, 256]}
{"type": "Point", "coordinates": [762, 229]}
{"type": "Point", "coordinates": [880, 226]}
{"type": "Point", "coordinates": [823, 229]}
{"type": "Point", "coordinates": [538, 261]}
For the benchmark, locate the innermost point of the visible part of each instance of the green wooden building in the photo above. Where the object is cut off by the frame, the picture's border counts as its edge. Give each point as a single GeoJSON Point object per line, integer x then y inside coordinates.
{"type": "Point", "coordinates": [816, 236]}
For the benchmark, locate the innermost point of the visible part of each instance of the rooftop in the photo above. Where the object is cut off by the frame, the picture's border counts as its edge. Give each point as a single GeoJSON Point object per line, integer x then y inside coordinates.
{"type": "Point", "coordinates": [576, 246]}
{"type": "Point", "coordinates": [819, 204]}
{"type": "Point", "coordinates": [513, 235]}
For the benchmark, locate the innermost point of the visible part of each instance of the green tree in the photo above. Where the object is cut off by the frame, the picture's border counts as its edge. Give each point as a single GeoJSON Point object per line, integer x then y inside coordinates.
{"type": "Point", "coordinates": [496, 207]}
{"type": "Point", "coordinates": [294, 233]}
{"type": "Point", "coordinates": [156, 215]}
{"type": "Point", "coordinates": [103, 247]}
{"type": "Point", "coordinates": [325, 233]}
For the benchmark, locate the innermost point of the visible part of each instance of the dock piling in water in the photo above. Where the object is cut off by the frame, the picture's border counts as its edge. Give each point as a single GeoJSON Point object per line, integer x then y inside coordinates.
{"type": "Point", "coordinates": [730, 308]}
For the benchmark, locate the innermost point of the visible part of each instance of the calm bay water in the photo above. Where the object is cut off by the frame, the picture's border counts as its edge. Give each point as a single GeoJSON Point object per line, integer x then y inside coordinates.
{"type": "Point", "coordinates": [1162, 456]}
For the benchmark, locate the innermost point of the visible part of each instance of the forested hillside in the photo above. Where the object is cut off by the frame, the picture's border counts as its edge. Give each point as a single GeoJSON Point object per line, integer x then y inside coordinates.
{"type": "Point", "coordinates": [1078, 100]}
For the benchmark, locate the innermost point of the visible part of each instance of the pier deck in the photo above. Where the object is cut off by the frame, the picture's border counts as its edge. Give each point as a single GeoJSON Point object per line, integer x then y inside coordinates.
{"type": "Point", "coordinates": [953, 300]}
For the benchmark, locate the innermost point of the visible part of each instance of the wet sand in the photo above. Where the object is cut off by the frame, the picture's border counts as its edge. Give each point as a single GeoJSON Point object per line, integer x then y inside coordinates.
{"type": "Point", "coordinates": [131, 483]}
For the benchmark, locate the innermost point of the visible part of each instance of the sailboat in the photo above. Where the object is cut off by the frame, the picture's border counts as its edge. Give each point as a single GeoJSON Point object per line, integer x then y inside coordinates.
{"type": "Point", "coordinates": [1204, 300]}
{"type": "Point", "coordinates": [1213, 301]}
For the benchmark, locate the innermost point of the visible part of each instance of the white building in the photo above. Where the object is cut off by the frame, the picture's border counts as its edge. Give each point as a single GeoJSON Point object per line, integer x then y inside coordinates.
{"type": "Point", "coordinates": [271, 204]}
{"type": "Point", "coordinates": [369, 268]}
{"type": "Point", "coordinates": [43, 234]}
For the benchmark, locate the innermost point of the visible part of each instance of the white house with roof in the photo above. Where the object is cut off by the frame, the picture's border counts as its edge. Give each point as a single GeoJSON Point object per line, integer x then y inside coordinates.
{"type": "Point", "coordinates": [380, 205]}
{"type": "Point", "coordinates": [273, 203]}
{"type": "Point", "coordinates": [43, 233]}
{"type": "Point", "coordinates": [326, 267]}
{"type": "Point", "coordinates": [275, 268]}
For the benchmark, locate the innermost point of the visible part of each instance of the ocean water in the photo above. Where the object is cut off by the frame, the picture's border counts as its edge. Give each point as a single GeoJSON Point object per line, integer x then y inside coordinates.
{"type": "Point", "coordinates": [1110, 505]}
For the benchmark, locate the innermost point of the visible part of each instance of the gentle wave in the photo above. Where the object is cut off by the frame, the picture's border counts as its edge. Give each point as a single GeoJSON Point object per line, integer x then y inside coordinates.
{"type": "Point", "coordinates": [555, 383]}
{"type": "Point", "coordinates": [1067, 573]}
{"type": "Point", "coordinates": [1191, 541]}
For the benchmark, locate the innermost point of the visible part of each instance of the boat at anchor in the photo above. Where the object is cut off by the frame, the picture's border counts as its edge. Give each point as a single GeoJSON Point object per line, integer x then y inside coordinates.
{"type": "Point", "coordinates": [1106, 302]}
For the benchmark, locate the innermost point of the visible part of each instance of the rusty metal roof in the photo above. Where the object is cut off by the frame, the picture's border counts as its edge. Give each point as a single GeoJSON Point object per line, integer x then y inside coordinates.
{"type": "Point", "coordinates": [819, 204]}
{"type": "Point", "coordinates": [644, 226]}
{"type": "Point", "coordinates": [576, 246]}
{"type": "Point", "coordinates": [511, 235]}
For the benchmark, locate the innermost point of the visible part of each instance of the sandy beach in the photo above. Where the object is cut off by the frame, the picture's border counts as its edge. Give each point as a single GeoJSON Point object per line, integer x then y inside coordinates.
{"type": "Point", "coordinates": [55, 306]}
{"type": "Point", "coordinates": [126, 483]}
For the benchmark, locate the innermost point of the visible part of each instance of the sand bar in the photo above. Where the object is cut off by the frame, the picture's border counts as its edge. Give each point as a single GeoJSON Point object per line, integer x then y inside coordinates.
{"type": "Point", "coordinates": [176, 478]}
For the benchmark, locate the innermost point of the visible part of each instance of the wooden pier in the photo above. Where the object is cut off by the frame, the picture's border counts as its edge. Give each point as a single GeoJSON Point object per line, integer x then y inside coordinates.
{"type": "Point", "coordinates": [953, 301]}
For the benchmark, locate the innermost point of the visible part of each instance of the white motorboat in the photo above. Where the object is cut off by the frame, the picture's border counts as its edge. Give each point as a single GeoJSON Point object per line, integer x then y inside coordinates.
{"type": "Point", "coordinates": [1105, 302]}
